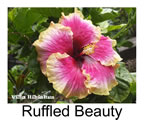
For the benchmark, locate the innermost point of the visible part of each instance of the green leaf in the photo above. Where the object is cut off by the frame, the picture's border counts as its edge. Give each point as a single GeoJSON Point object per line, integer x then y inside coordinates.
{"type": "Point", "coordinates": [123, 73]}
{"type": "Point", "coordinates": [125, 43]}
{"type": "Point", "coordinates": [61, 102]}
{"type": "Point", "coordinates": [129, 99]}
{"type": "Point", "coordinates": [103, 25]}
{"type": "Point", "coordinates": [115, 27]}
{"type": "Point", "coordinates": [20, 82]}
{"type": "Point", "coordinates": [106, 27]}
{"type": "Point", "coordinates": [133, 88]}
{"type": "Point", "coordinates": [33, 64]}
{"type": "Point", "coordinates": [98, 15]}
{"type": "Point", "coordinates": [67, 11]}
{"type": "Point", "coordinates": [17, 70]}
{"type": "Point", "coordinates": [34, 67]}
{"type": "Point", "coordinates": [12, 14]}
{"type": "Point", "coordinates": [52, 12]}
{"type": "Point", "coordinates": [26, 50]}
{"type": "Point", "coordinates": [10, 88]}
{"type": "Point", "coordinates": [38, 26]}
{"type": "Point", "coordinates": [43, 84]}
{"type": "Point", "coordinates": [128, 10]}
{"type": "Point", "coordinates": [24, 19]}
{"type": "Point", "coordinates": [133, 84]}
{"type": "Point", "coordinates": [121, 91]}
{"type": "Point", "coordinates": [132, 96]}
{"type": "Point", "coordinates": [13, 37]}
{"type": "Point", "coordinates": [30, 79]}
{"type": "Point", "coordinates": [47, 12]}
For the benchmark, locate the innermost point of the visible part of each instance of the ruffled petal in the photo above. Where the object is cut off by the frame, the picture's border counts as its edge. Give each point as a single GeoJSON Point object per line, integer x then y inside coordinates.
{"type": "Point", "coordinates": [104, 52]}
{"type": "Point", "coordinates": [57, 38]}
{"type": "Point", "coordinates": [84, 32]}
{"type": "Point", "coordinates": [64, 72]}
{"type": "Point", "coordinates": [100, 78]}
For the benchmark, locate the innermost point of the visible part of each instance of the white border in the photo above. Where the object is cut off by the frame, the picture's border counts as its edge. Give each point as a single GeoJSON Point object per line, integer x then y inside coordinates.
{"type": "Point", "coordinates": [72, 3]}
{"type": "Point", "coordinates": [14, 111]}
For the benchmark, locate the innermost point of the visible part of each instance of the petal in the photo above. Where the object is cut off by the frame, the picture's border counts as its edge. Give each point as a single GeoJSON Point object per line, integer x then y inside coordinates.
{"type": "Point", "coordinates": [57, 38]}
{"type": "Point", "coordinates": [64, 72]}
{"type": "Point", "coordinates": [100, 79]}
{"type": "Point", "coordinates": [84, 32]}
{"type": "Point", "coordinates": [104, 52]}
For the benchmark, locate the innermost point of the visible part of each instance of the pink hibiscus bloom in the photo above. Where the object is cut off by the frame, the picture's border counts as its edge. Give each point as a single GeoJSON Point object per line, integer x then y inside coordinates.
{"type": "Point", "coordinates": [76, 58]}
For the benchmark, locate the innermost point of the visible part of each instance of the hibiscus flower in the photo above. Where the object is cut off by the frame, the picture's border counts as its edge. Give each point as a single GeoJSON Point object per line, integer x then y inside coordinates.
{"type": "Point", "coordinates": [76, 58]}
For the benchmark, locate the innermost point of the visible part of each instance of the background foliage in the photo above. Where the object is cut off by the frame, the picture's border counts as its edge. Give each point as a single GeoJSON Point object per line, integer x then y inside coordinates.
{"type": "Point", "coordinates": [24, 75]}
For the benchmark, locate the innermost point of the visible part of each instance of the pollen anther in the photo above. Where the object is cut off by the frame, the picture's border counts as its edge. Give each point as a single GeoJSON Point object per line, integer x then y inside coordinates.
{"type": "Point", "coordinates": [89, 49]}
